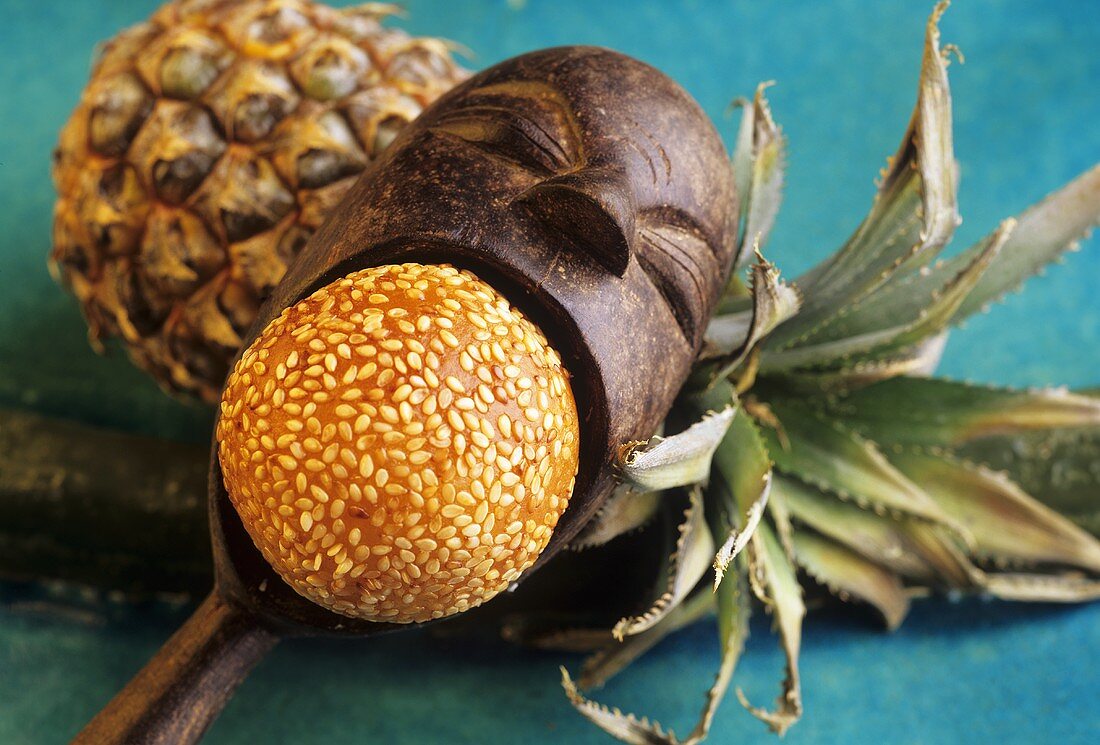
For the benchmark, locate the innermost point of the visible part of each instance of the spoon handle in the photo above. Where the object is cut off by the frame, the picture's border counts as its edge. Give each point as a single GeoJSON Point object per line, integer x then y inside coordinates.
{"type": "Point", "coordinates": [179, 693]}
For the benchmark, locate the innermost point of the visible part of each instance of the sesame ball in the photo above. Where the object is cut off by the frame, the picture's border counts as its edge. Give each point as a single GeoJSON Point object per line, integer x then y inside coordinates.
{"type": "Point", "coordinates": [401, 444]}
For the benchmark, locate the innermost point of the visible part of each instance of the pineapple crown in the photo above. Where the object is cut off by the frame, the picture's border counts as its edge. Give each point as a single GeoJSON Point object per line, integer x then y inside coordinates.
{"type": "Point", "coordinates": [818, 455]}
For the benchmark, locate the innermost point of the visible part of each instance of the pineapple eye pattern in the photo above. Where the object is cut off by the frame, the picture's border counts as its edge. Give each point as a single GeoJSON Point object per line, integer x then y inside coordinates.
{"type": "Point", "coordinates": [176, 149]}
{"type": "Point", "coordinates": [118, 108]}
{"type": "Point", "coordinates": [244, 123]}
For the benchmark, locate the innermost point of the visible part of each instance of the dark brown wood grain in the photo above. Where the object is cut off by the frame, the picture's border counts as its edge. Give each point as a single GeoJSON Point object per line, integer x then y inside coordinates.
{"type": "Point", "coordinates": [589, 189]}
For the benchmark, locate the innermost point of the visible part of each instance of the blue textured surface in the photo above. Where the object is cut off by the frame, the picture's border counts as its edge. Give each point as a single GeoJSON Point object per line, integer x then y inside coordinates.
{"type": "Point", "coordinates": [1026, 115]}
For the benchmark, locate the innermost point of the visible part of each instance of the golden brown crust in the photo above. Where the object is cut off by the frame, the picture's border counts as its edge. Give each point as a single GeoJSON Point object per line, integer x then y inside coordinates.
{"type": "Point", "coordinates": [401, 444]}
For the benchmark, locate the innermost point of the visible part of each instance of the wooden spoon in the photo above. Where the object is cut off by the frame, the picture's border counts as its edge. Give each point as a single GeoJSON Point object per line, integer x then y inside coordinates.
{"type": "Point", "coordinates": [592, 192]}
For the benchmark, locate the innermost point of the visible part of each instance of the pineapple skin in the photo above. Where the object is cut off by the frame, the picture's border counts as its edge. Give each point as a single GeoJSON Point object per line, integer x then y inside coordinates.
{"type": "Point", "coordinates": [209, 144]}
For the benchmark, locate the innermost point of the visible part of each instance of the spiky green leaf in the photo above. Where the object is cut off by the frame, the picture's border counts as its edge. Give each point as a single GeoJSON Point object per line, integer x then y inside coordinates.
{"type": "Point", "coordinates": [625, 727]}
{"type": "Point", "coordinates": [733, 618]}
{"type": "Point", "coordinates": [743, 154]}
{"type": "Point", "coordinates": [773, 579]}
{"type": "Point", "coordinates": [1006, 523]}
{"type": "Point", "coordinates": [687, 565]}
{"type": "Point", "coordinates": [848, 574]}
{"type": "Point", "coordinates": [827, 454]}
{"type": "Point", "coordinates": [738, 538]}
{"type": "Point", "coordinates": [931, 412]}
{"type": "Point", "coordinates": [1060, 468]}
{"type": "Point", "coordinates": [900, 316]}
{"type": "Point", "coordinates": [679, 460]}
{"type": "Point", "coordinates": [919, 360]}
{"type": "Point", "coordinates": [734, 610]}
{"type": "Point", "coordinates": [912, 218]}
{"type": "Point", "coordinates": [1041, 588]}
{"type": "Point", "coordinates": [726, 333]}
{"type": "Point", "coordinates": [739, 490]}
{"type": "Point", "coordinates": [773, 302]}
{"type": "Point", "coordinates": [758, 164]}
{"type": "Point", "coordinates": [879, 538]}
{"type": "Point", "coordinates": [956, 570]}
{"type": "Point", "coordinates": [1042, 234]}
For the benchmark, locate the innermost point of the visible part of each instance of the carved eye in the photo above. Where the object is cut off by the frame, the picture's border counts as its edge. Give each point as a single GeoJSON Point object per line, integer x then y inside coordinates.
{"type": "Point", "coordinates": [505, 133]}
{"type": "Point", "coordinates": [677, 259]}
{"type": "Point", "coordinates": [589, 209]}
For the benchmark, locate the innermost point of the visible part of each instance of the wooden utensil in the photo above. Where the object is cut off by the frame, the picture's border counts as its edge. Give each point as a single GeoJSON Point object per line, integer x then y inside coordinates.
{"type": "Point", "coordinates": [590, 190]}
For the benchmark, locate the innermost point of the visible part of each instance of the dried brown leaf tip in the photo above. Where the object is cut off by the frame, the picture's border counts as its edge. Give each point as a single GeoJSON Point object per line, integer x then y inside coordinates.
{"type": "Point", "coordinates": [836, 471]}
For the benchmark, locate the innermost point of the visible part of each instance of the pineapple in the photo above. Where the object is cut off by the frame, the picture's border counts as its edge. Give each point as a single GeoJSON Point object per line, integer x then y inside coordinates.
{"type": "Point", "coordinates": [209, 144]}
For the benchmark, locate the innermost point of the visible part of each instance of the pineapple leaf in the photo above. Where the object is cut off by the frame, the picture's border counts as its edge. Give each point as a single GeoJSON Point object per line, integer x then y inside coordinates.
{"type": "Point", "coordinates": [554, 632]}
{"type": "Point", "coordinates": [776, 584]}
{"type": "Point", "coordinates": [935, 412]}
{"type": "Point", "coordinates": [612, 658]}
{"type": "Point", "coordinates": [759, 160]}
{"type": "Point", "coordinates": [743, 156]}
{"type": "Point", "coordinates": [734, 610]}
{"type": "Point", "coordinates": [625, 511]}
{"type": "Point", "coordinates": [912, 218]}
{"type": "Point", "coordinates": [901, 315]}
{"type": "Point", "coordinates": [679, 460]}
{"type": "Point", "coordinates": [687, 565]}
{"type": "Point", "coordinates": [736, 540]}
{"type": "Point", "coordinates": [739, 491]}
{"type": "Point", "coordinates": [727, 333]}
{"type": "Point", "coordinates": [957, 571]}
{"type": "Point", "coordinates": [1041, 588]}
{"type": "Point", "coordinates": [1005, 522]}
{"type": "Point", "coordinates": [732, 337]}
{"type": "Point", "coordinates": [625, 727]}
{"type": "Point", "coordinates": [1042, 234]}
{"type": "Point", "coordinates": [919, 360]}
{"type": "Point", "coordinates": [784, 527]}
{"type": "Point", "coordinates": [937, 548]}
{"type": "Point", "coordinates": [1059, 467]}
{"type": "Point", "coordinates": [834, 458]}
{"type": "Point", "coordinates": [733, 626]}
{"type": "Point", "coordinates": [848, 574]}
{"type": "Point", "coordinates": [877, 538]}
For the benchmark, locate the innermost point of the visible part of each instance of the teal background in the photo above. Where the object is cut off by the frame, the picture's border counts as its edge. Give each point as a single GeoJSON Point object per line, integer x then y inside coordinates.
{"type": "Point", "coordinates": [1027, 108]}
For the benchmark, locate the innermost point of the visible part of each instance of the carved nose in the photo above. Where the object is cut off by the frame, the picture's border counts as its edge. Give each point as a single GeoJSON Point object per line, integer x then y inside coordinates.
{"type": "Point", "coordinates": [401, 444]}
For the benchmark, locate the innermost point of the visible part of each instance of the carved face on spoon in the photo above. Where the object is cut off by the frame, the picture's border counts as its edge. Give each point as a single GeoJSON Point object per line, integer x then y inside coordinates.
{"type": "Point", "coordinates": [432, 401]}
